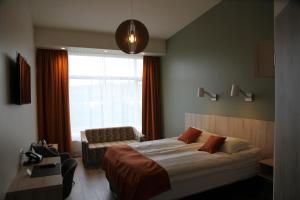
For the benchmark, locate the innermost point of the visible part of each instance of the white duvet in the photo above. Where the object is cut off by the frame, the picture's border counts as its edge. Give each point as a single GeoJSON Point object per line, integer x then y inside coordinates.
{"type": "Point", "coordinates": [185, 164]}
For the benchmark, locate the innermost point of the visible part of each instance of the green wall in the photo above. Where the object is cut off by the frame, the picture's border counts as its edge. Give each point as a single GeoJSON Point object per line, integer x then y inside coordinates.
{"type": "Point", "coordinates": [214, 51]}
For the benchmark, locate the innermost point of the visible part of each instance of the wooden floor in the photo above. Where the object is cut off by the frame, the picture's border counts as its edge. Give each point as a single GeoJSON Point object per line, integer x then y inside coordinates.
{"type": "Point", "coordinates": [91, 184]}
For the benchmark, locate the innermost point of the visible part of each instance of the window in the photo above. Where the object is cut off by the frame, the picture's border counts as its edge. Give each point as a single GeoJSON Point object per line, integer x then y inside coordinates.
{"type": "Point", "coordinates": [105, 91]}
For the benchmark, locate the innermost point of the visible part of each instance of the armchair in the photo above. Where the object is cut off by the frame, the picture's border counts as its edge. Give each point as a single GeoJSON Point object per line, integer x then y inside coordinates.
{"type": "Point", "coordinates": [95, 141]}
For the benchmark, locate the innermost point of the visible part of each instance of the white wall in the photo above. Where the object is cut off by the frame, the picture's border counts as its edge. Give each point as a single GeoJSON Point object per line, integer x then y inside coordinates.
{"type": "Point", "coordinates": [56, 38]}
{"type": "Point", "coordinates": [18, 126]}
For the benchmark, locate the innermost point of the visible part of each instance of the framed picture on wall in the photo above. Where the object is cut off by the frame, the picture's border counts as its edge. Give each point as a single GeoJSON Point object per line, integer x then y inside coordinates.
{"type": "Point", "coordinates": [264, 59]}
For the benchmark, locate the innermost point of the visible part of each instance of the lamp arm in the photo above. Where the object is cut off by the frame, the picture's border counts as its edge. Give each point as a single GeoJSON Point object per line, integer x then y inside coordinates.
{"type": "Point", "coordinates": [244, 93]}
{"type": "Point", "coordinates": [209, 94]}
{"type": "Point", "coordinates": [248, 96]}
{"type": "Point", "coordinates": [213, 97]}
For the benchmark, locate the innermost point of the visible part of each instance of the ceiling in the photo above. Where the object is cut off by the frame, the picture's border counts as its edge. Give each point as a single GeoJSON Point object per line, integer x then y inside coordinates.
{"type": "Point", "coordinates": [163, 18]}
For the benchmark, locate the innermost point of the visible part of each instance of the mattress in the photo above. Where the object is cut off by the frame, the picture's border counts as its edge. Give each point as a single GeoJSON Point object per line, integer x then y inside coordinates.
{"type": "Point", "coordinates": [191, 171]}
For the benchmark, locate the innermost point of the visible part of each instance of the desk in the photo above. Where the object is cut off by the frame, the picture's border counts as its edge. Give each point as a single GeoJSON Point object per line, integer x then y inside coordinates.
{"type": "Point", "coordinates": [46, 187]}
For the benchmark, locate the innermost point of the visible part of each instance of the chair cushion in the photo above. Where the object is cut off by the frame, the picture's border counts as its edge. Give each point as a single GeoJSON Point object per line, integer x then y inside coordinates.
{"type": "Point", "coordinates": [107, 144]}
{"type": "Point", "coordinates": [109, 134]}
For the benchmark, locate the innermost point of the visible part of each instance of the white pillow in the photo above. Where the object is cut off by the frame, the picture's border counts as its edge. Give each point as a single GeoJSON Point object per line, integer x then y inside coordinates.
{"type": "Point", "coordinates": [234, 145]}
{"type": "Point", "coordinates": [204, 135]}
{"type": "Point", "coordinates": [231, 144]}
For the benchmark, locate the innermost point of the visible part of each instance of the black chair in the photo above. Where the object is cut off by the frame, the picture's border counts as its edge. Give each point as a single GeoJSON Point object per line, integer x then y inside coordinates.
{"type": "Point", "coordinates": [64, 156]}
{"type": "Point", "coordinates": [67, 171]}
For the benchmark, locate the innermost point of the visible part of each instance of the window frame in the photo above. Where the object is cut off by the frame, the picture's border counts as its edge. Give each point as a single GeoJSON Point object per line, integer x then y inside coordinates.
{"type": "Point", "coordinates": [137, 80]}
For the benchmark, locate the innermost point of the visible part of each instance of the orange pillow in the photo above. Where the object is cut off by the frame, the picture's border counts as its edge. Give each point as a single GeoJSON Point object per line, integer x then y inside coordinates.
{"type": "Point", "coordinates": [190, 135]}
{"type": "Point", "coordinates": [213, 144]}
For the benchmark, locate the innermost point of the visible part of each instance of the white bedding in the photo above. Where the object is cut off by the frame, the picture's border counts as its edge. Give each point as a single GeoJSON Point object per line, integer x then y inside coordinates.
{"type": "Point", "coordinates": [192, 171]}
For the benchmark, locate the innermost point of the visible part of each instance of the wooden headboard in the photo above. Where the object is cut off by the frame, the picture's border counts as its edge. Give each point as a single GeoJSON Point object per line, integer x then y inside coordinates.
{"type": "Point", "coordinates": [259, 133]}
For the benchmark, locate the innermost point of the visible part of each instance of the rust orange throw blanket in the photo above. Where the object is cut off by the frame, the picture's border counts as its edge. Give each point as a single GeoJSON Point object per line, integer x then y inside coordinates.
{"type": "Point", "coordinates": [135, 176]}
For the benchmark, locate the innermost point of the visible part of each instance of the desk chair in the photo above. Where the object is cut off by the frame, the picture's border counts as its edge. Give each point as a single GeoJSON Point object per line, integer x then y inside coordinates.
{"type": "Point", "coordinates": [67, 171]}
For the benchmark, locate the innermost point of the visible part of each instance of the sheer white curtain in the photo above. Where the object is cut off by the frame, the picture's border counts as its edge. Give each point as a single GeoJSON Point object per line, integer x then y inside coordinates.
{"type": "Point", "coordinates": [105, 91]}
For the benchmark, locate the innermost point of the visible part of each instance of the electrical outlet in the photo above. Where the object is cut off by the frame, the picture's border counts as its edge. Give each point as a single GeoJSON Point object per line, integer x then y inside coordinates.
{"type": "Point", "coordinates": [21, 151]}
{"type": "Point", "coordinates": [21, 156]}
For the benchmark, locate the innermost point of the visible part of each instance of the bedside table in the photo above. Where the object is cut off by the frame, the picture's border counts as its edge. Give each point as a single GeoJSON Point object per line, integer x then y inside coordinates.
{"type": "Point", "coordinates": [266, 169]}
{"type": "Point", "coordinates": [265, 179]}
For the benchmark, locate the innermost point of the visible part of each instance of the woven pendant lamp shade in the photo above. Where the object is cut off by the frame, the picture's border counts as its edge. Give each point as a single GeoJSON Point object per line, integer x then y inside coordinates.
{"type": "Point", "coordinates": [132, 36]}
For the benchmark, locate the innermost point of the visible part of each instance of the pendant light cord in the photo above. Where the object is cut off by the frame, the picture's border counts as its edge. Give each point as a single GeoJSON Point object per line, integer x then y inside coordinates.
{"type": "Point", "coordinates": [131, 8]}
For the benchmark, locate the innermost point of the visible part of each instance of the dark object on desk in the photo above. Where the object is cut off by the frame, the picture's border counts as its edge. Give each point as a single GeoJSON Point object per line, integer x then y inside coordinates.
{"type": "Point", "coordinates": [48, 151]}
{"type": "Point", "coordinates": [32, 158]}
{"type": "Point", "coordinates": [50, 165]}
{"type": "Point", "coordinates": [67, 172]}
{"type": "Point", "coordinates": [44, 150]}
{"type": "Point", "coordinates": [39, 171]}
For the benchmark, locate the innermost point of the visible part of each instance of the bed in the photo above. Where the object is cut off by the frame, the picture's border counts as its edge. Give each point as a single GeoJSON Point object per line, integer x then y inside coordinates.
{"type": "Point", "coordinates": [191, 171]}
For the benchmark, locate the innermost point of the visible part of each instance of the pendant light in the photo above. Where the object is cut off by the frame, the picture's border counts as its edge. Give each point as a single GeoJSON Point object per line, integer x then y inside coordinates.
{"type": "Point", "coordinates": [132, 36]}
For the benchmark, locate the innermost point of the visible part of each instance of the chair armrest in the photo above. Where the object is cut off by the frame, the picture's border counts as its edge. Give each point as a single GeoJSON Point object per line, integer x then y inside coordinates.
{"type": "Point", "coordinates": [84, 142]}
{"type": "Point", "coordinates": [84, 148]}
{"type": "Point", "coordinates": [138, 135]}
{"type": "Point", "coordinates": [83, 137]}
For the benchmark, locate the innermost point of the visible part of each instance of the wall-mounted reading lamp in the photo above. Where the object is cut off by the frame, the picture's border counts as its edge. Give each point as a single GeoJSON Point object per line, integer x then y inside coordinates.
{"type": "Point", "coordinates": [235, 91]}
{"type": "Point", "coordinates": [202, 92]}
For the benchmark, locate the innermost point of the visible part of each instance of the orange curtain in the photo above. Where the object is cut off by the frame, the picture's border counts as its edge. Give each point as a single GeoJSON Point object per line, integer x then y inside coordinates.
{"type": "Point", "coordinates": [53, 97]}
{"type": "Point", "coordinates": [151, 113]}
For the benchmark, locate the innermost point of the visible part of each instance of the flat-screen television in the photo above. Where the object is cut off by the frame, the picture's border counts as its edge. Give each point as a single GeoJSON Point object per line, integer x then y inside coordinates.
{"type": "Point", "coordinates": [22, 86]}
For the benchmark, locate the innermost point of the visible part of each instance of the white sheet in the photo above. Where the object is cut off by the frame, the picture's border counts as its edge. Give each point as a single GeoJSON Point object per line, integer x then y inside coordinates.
{"type": "Point", "coordinates": [192, 171]}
